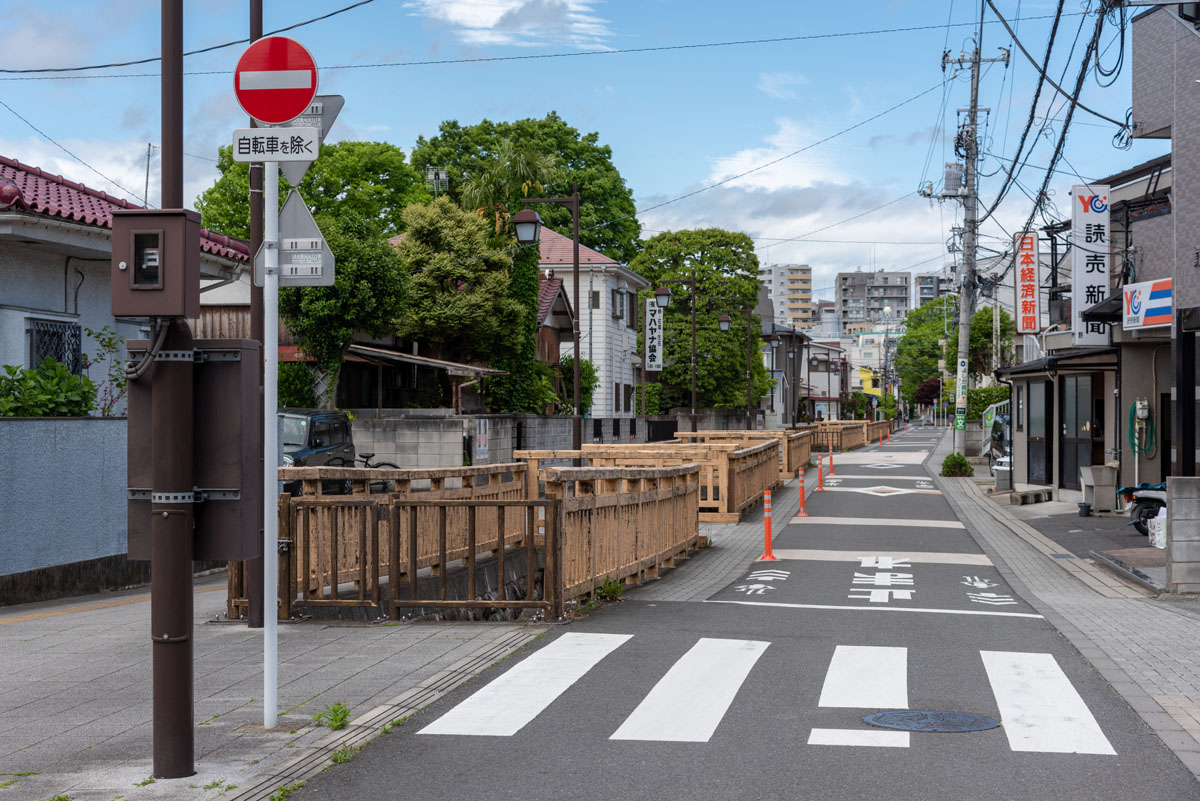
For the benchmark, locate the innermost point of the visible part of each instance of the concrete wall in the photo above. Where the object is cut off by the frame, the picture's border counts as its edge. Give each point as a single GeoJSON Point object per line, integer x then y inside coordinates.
{"type": "Point", "coordinates": [1183, 534]}
{"type": "Point", "coordinates": [411, 441]}
{"type": "Point", "coordinates": [62, 491]}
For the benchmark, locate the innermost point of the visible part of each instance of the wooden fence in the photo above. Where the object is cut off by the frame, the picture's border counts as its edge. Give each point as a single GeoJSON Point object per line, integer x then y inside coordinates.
{"type": "Point", "coordinates": [795, 447]}
{"type": "Point", "coordinates": [840, 435]}
{"type": "Point", "coordinates": [377, 550]}
{"type": "Point", "coordinates": [732, 477]}
{"type": "Point", "coordinates": [878, 429]}
{"type": "Point", "coordinates": [622, 524]}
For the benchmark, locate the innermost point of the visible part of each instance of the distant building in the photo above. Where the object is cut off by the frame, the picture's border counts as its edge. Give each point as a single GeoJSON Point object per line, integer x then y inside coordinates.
{"type": "Point", "coordinates": [790, 289]}
{"type": "Point", "coordinates": [862, 296]}
{"type": "Point", "coordinates": [931, 286]}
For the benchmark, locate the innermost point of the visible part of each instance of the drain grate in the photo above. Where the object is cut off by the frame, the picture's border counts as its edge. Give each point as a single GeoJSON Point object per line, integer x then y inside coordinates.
{"type": "Point", "coordinates": [923, 720]}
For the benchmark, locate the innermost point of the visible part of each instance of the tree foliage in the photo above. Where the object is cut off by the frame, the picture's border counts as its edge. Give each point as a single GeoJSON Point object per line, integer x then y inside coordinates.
{"type": "Point", "coordinates": [928, 392]}
{"type": "Point", "coordinates": [726, 275]}
{"type": "Point", "coordinates": [460, 304]}
{"type": "Point", "coordinates": [918, 351]}
{"type": "Point", "coordinates": [370, 180]}
{"type": "Point", "coordinates": [368, 295]}
{"type": "Point", "coordinates": [589, 379]}
{"type": "Point", "coordinates": [979, 343]}
{"type": "Point", "coordinates": [468, 151]}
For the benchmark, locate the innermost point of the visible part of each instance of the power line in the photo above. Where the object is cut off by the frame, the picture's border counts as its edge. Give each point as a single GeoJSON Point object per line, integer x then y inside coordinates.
{"type": "Point", "coordinates": [1074, 100]}
{"type": "Point", "coordinates": [68, 152]}
{"type": "Point", "coordinates": [189, 53]}
{"type": "Point", "coordinates": [479, 60]}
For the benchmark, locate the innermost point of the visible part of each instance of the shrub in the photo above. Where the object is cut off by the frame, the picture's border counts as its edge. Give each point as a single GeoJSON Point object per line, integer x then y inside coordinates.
{"type": "Point", "coordinates": [980, 398]}
{"type": "Point", "coordinates": [49, 390]}
{"type": "Point", "coordinates": [956, 465]}
{"type": "Point", "coordinates": [297, 385]}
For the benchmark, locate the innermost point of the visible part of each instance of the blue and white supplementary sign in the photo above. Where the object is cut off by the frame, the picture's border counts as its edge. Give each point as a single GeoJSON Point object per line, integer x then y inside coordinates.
{"type": "Point", "coordinates": [1090, 259]}
{"type": "Point", "coordinates": [1149, 304]}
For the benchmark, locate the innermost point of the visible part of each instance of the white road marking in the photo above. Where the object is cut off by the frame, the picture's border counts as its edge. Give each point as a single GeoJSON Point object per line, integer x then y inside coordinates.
{"type": "Point", "coordinates": [275, 79]}
{"type": "Point", "coordinates": [882, 609]}
{"type": "Point", "coordinates": [688, 702]}
{"type": "Point", "coordinates": [864, 737]}
{"type": "Point", "coordinates": [876, 456]}
{"type": "Point", "coordinates": [1040, 709]}
{"type": "Point", "coordinates": [931, 558]}
{"type": "Point", "coordinates": [875, 522]}
{"type": "Point", "coordinates": [889, 477]}
{"type": "Point", "coordinates": [866, 677]}
{"type": "Point", "coordinates": [505, 705]}
{"type": "Point", "coordinates": [883, 491]}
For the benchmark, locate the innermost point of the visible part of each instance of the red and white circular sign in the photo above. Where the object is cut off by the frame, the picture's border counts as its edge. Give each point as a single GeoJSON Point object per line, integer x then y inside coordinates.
{"type": "Point", "coordinates": [275, 79]}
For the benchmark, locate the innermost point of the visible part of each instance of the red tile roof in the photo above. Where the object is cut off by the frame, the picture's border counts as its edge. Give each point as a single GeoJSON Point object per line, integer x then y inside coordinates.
{"type": "Point", "coordinates": [557, 249]}
{"type": "Point", "coordinates": [548, 289]}
{"type": "Point", "coordinates": [55, 196]}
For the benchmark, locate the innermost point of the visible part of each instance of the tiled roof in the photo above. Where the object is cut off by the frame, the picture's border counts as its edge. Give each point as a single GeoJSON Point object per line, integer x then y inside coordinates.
{"type": "Point", "coordinates": [55, 196]}
{"type": "Point", "coordinates": [548, 288]}
{"type": "Point", "coordinates": [557, 249]}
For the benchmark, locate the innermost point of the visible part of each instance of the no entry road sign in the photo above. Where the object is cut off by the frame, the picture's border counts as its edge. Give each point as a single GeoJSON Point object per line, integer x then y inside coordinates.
{"type": "Point", "coordinates": [275, 80]}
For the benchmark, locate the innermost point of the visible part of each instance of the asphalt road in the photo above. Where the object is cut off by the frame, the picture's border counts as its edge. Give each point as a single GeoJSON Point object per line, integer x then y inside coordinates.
{"type": "Point", "coordinates": [760, 691]}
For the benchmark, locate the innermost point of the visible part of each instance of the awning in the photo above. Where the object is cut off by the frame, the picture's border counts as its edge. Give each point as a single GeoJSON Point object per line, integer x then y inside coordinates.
{"type": "Point", "coordinates": [453, 368]}
{"type": "Point", "coordinates": [1106, 311]}
{"type": "Point", "coordinates": [1064, 361]}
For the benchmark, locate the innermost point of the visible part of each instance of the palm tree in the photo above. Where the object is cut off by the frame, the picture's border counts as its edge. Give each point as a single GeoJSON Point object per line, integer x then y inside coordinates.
{"type": "Point", "coordinates": [512, 169]}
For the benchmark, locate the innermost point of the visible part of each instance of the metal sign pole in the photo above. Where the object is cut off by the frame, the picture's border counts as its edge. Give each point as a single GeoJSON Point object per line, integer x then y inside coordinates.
{"type": "Point", "coordinates": [270, 558]}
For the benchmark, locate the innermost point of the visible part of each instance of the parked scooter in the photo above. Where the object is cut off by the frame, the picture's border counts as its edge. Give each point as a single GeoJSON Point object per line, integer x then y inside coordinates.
{"type": "Point", "coordinates": [1147, 499]}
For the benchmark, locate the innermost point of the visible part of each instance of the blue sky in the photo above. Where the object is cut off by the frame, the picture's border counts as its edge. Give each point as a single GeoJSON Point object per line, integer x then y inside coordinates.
{"type": "Point", "coordinates": [677, 120]}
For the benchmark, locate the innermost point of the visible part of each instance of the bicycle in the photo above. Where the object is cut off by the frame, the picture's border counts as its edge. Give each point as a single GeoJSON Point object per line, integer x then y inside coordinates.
{"type": "Point", "coordinates": [374, 486]}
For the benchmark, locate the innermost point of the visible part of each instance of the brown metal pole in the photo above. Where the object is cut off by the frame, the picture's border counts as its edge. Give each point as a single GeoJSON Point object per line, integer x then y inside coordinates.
{"type": "Point", "coordinates": [576, 418]}
{"type": "Point", "coordinates": [254, 567]}
{"type": "Point", "coordinates": [171, 489]}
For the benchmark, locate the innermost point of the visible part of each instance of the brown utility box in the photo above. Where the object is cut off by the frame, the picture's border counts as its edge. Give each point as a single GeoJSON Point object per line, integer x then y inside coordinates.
{"type": "Point", "coordinates": [226, 456]}
{"type": "Point", "coordinates": [155, 263]}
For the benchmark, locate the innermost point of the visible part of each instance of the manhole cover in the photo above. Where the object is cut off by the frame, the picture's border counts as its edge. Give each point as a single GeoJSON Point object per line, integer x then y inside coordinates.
{"type": "Point", "coordinates": [915, 720]}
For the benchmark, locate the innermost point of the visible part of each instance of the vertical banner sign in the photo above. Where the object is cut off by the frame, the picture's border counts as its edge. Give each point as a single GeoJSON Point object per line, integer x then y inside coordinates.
{"type": "Point", "coordinates": [654, 336]}
{"type": "Point", "coordinates": [1028, 282]}
{"type": "Point", "coordinates": [960, 391]}
{"type": "Point", "coordinates": [1090, 260]}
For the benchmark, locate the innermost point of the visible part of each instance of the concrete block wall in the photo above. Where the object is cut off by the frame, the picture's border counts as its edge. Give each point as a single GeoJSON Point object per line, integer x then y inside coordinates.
{"type": "Point", "coordinates": [411, 441]}
{"type": "Point", "coordinates": [1183, 534]}
{"type": "Point", "coordinates": [62, 491]}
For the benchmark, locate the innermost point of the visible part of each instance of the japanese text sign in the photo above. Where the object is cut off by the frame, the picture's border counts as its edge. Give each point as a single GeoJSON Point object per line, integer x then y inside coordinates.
{"type": "Point", "coordinates": [1149, 304]}
{"type": "Point", "coordinates": [654, 336]}
{"type": "Point", "coordinates": [1027, 281]}
{"type": "Point", "coordinates": [280, 144]}
{"type": "Point", "coordinates": [1090, 260]}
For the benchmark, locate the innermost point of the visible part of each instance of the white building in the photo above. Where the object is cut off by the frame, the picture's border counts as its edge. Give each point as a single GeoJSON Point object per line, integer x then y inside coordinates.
{"type": "Point", "coordinates": [608, 320]}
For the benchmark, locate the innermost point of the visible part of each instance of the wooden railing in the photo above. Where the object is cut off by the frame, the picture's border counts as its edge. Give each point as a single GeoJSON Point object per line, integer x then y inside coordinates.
{"type": "Point", "coordinates": [840, 435]}
{"type": "Point", "coordinates": [622, 524]}
{"type": "Point", "coordinates": [732, 477]}
{"type": "Point", "coordinates": [795, 447]}
{"type": "Point", "coordinates": [878, 429]}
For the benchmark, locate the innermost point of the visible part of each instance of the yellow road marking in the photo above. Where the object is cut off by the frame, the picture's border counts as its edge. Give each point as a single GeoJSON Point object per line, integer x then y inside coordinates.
{"type": "Point", "coordinates": [4, 621]}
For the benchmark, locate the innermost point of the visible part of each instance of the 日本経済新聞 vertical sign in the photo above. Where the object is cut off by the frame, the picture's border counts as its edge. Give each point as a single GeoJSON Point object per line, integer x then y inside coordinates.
{"type": "Point", "coordinates": [1090, 260]}
{"type": "Point", "coordinates": [1027, 282]}
{"type": "Point", "coordinates": [654, 337]}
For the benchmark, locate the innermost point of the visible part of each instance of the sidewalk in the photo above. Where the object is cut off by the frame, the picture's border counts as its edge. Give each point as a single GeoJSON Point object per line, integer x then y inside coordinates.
{"type": "Point", "coordinates": [1146, 648]}
{"type": "Point", "coordinates": [75, 695]}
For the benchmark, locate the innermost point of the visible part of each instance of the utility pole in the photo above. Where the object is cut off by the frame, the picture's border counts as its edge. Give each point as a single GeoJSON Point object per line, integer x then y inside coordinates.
{"type": "Point", "coordinates": [970, 196]}
{"type": "Point", "coordinates": [253, 572]}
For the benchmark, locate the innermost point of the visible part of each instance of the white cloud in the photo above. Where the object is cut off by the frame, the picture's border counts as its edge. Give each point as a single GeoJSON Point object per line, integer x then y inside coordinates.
{"type": "Point", "coordinates": [519, 22]}
{"type": "Point", "coordinates": [799, 170]}
{"type": "Point", "coordinates": [782, 85]}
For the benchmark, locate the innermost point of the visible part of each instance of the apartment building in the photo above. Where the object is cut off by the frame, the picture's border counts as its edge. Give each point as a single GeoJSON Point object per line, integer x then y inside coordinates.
{"type": "Point", "coordinates": [790, 289]}
{"type": "Point", "coordinates": [861, 297]}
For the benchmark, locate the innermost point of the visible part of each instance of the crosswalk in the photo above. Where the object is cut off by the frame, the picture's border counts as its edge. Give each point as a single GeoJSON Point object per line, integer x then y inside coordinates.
{"type": "Point", "coordinates": [1040, 709]}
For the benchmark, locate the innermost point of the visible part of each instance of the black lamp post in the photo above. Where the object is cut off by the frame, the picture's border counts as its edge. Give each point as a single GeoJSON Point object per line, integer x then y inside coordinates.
{"type": "Point", "coordinates": [662, 296]}
{"type": "Point", "coordinates": [528, 227]}
{"type": "Point", "coordinates": [724, 321]}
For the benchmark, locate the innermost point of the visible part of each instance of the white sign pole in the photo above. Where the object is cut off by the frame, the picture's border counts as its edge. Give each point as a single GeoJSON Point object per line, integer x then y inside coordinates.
{"type": "Point", "coordinates": [270, 445]}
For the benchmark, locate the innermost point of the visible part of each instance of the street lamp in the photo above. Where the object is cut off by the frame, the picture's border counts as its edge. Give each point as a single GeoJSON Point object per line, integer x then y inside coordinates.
{"type": "Point", "coordinates": [662, 296]}
{"type": "Point", "coordinates": [724, 321]}
{"type": "Point", "coordinates": [528, 225]}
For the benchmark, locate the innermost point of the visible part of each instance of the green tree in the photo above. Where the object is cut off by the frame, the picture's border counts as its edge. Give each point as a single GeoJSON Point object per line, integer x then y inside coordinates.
{"type": "Point", "coordinates": [588, 380]}
{"type": "Point", "coordinates": [459, 287]}
{"type": "Point", "coordinates": [726, 273]}
{"type": "Point", "coordinates": [468, 151]}
{"type": "Point", "coordinates": [918, 350]}
{"type": "Point", "coordinates": [370, 180]}
{"type": "Point", "coordinates": [367, 297]}
{"type": "Point", "coordinates": [979, 343]}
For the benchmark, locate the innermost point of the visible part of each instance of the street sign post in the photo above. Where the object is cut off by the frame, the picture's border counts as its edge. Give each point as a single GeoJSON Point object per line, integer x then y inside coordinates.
{"type": "Point", "coordinates": [304, 256]}
{"type": "Point", "coordinates": [275, 82]}
{"type": "Point", "coordinates": [320, 114]}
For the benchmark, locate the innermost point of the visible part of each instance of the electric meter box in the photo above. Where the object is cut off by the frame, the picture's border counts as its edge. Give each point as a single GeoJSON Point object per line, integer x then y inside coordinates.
{"type": "Point", "coordinates": [155, 263]}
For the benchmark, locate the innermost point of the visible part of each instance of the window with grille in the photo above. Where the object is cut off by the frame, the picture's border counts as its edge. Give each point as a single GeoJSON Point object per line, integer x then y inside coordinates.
{"type": "Point", "coordinates": [51, 339]}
